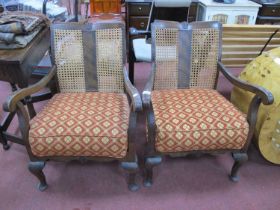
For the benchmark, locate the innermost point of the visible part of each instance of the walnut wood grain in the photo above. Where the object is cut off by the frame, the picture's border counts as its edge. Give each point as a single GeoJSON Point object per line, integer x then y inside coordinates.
{"type": "Point", "coordinates": [146, 94]}
{"type": "Point", "coordinates": [11, 102]}
{"type": "Point", "coordinates": [265, 95]}
{"type": "Point", "coordinates": [132, 92]}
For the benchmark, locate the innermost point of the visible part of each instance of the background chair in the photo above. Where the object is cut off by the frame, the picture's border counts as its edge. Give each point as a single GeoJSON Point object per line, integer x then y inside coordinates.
{"type": "Point", "coordinates": [99, 7]}
{"type": "Point", "coordinates": [139, 46]}
{"type": "Point", "coordinates": [105, 10]}
{"type": "Point", "coordinates": [91, 118]}
{"type": "Point", "coordinates": [185, 114]}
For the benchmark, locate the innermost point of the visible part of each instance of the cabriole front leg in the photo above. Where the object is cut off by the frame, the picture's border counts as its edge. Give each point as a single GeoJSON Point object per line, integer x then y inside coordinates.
{"type": "Point", "coordinates": [239, 159]}
{"type": "Point", "coordinates": [36, 168]}
{"type": "Point", "coordinates": [132, 169]}
{"type": "Point", "coordinates": [150, 162]}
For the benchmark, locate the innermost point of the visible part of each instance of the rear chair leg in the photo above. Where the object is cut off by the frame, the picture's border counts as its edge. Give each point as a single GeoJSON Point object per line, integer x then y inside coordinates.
{"type": "Point", "coordinates": [239, 159]}
{"type": "Point", "coordinates": [150, 162]}
{"type": "Point", "coordinates": [36, 168]}
{"type": "Point", "coordinates": [131, 168]}
{"type": "Point", "coordinates": [4, 141]}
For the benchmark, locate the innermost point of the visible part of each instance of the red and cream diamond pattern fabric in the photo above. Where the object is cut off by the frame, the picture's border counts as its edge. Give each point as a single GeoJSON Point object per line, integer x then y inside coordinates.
{"type": "Point", "coordinates": [197, 119]}
{"type": "Point", "coordinates": [81, 124]}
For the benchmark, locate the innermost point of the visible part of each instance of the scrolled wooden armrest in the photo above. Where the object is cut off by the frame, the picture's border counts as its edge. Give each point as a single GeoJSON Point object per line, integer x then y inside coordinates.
{"type": "Point", "coordinates": [146, 94]}
{"type": "Point", "coordinates": [265, 95]}
{"type": "Point", "coordinates": [11, 102]}
{"type": "Point", "coordinates": [132, 92]}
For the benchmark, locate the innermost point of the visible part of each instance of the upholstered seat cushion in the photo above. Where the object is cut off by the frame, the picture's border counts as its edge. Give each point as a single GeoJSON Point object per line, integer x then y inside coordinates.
{"type": "Point", "coordinates": [197, 119]}
{"type": "Point", "coordinates": [81, 124]}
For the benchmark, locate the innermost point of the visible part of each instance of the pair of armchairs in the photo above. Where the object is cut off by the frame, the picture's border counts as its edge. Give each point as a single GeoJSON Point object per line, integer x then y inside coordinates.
{"type": "Point", "coordinates": [94, 115]}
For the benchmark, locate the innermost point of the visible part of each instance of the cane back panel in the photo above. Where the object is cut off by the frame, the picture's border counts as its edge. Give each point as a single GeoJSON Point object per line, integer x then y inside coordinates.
{"type": "Point", "coordinates": [89, 57]}
{"type": "Point", "coordinates": [185, 55]}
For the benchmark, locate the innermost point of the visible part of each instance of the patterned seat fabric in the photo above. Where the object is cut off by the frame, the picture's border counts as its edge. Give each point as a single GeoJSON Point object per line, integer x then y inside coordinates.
{"type": "Point", "coordinates": [81, 124]}
{"type": "Point", "coordinates": [197, 119]}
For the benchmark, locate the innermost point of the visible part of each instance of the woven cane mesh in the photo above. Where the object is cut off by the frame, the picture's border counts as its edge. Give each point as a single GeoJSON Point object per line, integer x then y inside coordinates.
{"type": "Point", "coordinates": [205, 51]}
{"type": "Point", "coordinates": [166, 58]}
{"type": "Point", "coordinates": [69, 58]}
{"type": "Point", "coordinates": [109, 58]}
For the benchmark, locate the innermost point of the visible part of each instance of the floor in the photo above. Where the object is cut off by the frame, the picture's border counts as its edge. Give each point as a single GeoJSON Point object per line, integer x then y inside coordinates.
{"type": "Point", "coordinates": [180, 184]}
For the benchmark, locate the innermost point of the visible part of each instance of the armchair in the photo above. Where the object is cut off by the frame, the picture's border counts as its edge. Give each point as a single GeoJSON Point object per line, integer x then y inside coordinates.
{"type": "Point", "coordinates": [139, 46]}
{"type": "Point", "coordinates": [94, 114]}
{"type": "Point", "coordinates": [185, 114]}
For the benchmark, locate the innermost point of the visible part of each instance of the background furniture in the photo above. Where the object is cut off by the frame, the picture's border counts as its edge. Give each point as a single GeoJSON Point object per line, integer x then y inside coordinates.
{"type": "Point", "coordinates": [94, 115]}
{"type": "Point", "coordinates": [16, 67]}
{"type": "Point", "coordinates": [101, 10]}
{"type": "Point", "coordinates": [243, 43]}
{"type": "Point", "coordinates": [269, 13]}
{"type": "Point", "coordinates": [264, 72]}
{"type": "Point", "coordinates": [137, 13]}
{"type": "Point", "coordinates": [240, 12]}
{"type": "Point", "coordinates": [185, 114]}
{"type": "Point", "coordinates": [140, 15]}
{"type": "Point", "coordinates": [105, 6]}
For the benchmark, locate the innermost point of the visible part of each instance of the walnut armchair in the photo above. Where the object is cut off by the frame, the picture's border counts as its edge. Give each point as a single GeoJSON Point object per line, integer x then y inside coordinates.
{"type": "Point", "coordinates": [185, 114]}
{"type": "Point", "coordinates": [94, 114]}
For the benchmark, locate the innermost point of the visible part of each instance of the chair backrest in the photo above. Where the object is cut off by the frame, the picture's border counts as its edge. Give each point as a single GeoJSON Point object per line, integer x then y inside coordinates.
{"type": "Point", "coordinates": [89, 57]}
{"type": "Point", "coordinates": [186, 55]}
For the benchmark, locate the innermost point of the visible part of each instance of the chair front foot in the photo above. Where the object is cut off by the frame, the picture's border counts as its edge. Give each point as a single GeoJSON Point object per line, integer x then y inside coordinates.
{"type": "Point", "coordinates": [148, 177]}
{"type": "Point", "coordinates": [239, 159]}
{"type": "Point", "coordinates": [132, 185]}
{"type": "Point", "coordinates": [131, 168]}
{"type": "Point", "coordinates": [150, 162]}
{"type": "Point", "coordinates": [42, 186]}
{"type": "Point", "coordinates": [36, 168]}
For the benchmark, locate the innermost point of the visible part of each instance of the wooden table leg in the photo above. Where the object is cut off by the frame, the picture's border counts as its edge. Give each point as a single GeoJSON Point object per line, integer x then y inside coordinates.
{"type": "Point", "coordinates": [4, 127]}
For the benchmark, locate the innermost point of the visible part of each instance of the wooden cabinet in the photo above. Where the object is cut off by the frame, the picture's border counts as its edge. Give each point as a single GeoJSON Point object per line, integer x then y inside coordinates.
{"type": "Point", "coordinates": [269, 13]}
{"type": "Point", "coordinates": [137, 13]}
{"type": "Point", "coordinates": [139, 9]}
{"type": "Point", "coordinates": [240, 12]}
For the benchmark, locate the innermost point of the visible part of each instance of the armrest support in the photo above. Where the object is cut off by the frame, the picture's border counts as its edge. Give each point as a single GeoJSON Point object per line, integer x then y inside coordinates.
{"type": "Point", "coordinates": [265, 95]}
{"type": "Point", "coordinates": [12, 100]}
{"type": "Point", "coordinates": [146, 94]}
{"type": "Point", "coordinates": [132, 92]}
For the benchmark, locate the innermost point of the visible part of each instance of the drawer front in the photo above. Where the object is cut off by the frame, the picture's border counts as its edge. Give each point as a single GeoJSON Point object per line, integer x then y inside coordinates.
{"type": "Point", "coordinates": [138, 9]}
{"type": "Point", "coordinates": [270, 21]}
{"type": "Point", "coordinates": [139, 22]}
{"type": "Point", "coordinates": [269, 11]}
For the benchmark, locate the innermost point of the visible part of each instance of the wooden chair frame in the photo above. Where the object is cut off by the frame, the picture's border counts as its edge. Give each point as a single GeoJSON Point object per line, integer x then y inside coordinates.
{"type": "Point", "coordinates": [153, 157]}
{"type": "Point", "coordinates": [14, 103]}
